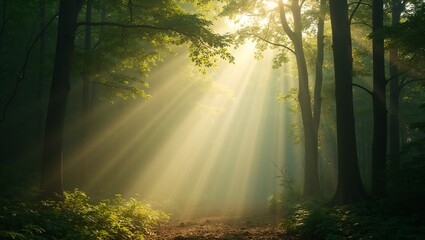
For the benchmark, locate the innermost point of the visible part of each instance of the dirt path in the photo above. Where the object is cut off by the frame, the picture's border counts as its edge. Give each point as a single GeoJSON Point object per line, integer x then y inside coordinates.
{"type": "Point", "coordinates": [221, 228]}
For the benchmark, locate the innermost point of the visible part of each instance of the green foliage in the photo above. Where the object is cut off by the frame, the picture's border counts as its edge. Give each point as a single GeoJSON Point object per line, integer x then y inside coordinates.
{"type": "Point", "coordinates": [143, 33]}
{"type": "Point", "coordinates": [75, 217]}
{"type": "Point", "coordinates": [282, 202]}
{"type": "Point", "coordinates": [408, 36]}
{"type": "Point", "coordinates": [384, 219]}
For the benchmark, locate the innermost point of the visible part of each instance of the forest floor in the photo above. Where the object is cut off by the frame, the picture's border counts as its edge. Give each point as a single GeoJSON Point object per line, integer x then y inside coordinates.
{"type": "Point", "coordinates": [254, 226]}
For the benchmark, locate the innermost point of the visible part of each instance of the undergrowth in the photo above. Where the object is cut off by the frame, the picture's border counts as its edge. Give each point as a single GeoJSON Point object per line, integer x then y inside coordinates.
{"type": "Point", "coordinates": [366, 220]}
{"type": "Point", "coordinates": [400, 215]}
{"type": "Point", "coordinates": [75, 217]}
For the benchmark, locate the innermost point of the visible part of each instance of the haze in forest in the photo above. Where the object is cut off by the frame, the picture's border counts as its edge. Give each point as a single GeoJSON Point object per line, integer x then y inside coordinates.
{"type": "Point", "coordinates": [308, 111]}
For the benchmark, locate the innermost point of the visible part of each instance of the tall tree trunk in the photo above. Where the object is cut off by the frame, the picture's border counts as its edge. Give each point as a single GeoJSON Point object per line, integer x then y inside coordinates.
{"type": "Point", "coordinates": [86, 119]}
{"type": "Point", "coordinates": [319, 69]}
{"type": "Point", "coordinates": [394, 130]}
{"type": "Point", "coordinates": [350, 187]}
{"type": "Point", "coordinates": [42, 57]}
{"type": "Point", "coordinates": [379, 143]}
{"type": "Point", "coordinates": [51, 176]}
{"type": "Point", "coordinates": [311, 174]}
{"type": "Point", "coordinates": [38, 144]}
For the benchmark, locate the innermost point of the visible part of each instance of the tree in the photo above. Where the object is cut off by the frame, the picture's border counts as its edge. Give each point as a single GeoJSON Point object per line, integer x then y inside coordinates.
{"type": "Point", "coordinates": [349, 187]}
{"type": "Point", "coordinates": [319, 65]}
{"type": "Point", "coordinates": [270, 27]}
{"type": "Point", "coordinates": [406, 57]}
{"type": "Point", "coordinates": [379, 144]}
{"type": "Point", "coordinates": [397, 7]}
{"type": "Point", "coordinates": [51, 176]}
{"type": "Point", "coordinates": [167, 21]}
{"type": "Point", "coordinates": [311, 179]}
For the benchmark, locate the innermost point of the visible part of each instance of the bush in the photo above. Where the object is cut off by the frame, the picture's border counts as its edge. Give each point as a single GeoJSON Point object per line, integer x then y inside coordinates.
{"type": "Point", "coordinates": [75, 217]}
{"type": "Point", "coordinates": [366, 220]}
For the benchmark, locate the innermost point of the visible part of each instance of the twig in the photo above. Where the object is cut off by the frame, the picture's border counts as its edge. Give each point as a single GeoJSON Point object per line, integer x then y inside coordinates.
{"type": "Point", "coordinates": [124, 26]}
{"type": "Point", "coordinates": [354, 11]}
{"type": "Point", "coordinates": [285, 180]}
{"type": "Point", "coordinates": [21, 75]}
{"type": "Point", "coordinates": [365, 89]}
{"type": "Point", "coordinates": [396, 76]}
{"type": "Point", "coordinates": [404, 84]}
{"type": "Point", "coordinates": [273, 43]}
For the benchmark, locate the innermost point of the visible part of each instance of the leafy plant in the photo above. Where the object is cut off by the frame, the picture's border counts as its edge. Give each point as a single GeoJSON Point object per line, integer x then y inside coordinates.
{"type": "Point", "coordinates": [366, 220]}
{"type": "Point", "coordinates": [75, 217]}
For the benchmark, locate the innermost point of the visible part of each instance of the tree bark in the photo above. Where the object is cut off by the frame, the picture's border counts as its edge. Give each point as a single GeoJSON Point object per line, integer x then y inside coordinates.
{"type": "Point", "coordinates": [319, 70]}
{"type": "Point", "coordinates": [319, 65]}
{"type": "Point", "coordinates": [394, 131]}
{"type": "Point", "coordinates": [379, 142]}
{"type": "Point", "coordinates": [311, 174]}
{"type": "Point", "coordinates": [349, 187]}
{"type": "Point", "coordinates": [51, 176]}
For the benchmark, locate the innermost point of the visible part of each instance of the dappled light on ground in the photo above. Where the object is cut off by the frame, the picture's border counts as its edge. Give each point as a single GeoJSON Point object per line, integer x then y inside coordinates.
{"type": "Point", "coordinates": [254, 226]}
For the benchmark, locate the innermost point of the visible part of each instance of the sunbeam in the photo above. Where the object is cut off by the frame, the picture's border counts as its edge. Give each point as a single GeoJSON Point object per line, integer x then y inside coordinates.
{"type": "Point", "coordinates": [217, 162]}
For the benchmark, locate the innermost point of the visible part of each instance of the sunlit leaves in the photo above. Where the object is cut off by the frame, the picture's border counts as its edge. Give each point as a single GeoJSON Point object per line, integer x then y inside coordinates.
{"type": "Point", "coordinates": [260, 22]}
{"type": "Point", "coordinates": [76, 217]}
{"type": "Point", "coordinates": [147, 32]}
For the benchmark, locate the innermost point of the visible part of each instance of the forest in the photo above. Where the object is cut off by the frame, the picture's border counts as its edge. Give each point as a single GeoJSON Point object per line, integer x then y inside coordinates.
{"type": "Point", "coordinates": [201, 119]}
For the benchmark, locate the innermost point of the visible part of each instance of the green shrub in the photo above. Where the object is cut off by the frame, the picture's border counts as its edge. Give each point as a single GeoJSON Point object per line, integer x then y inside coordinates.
{"type": "Point", "coordinates": [75, 217]}
{"type": "Point", "coordinates": [366, 220]}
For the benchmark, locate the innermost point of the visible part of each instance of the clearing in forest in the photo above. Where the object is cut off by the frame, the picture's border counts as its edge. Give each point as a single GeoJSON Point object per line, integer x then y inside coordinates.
{"type": "Point", "coordinates": [255, 226]}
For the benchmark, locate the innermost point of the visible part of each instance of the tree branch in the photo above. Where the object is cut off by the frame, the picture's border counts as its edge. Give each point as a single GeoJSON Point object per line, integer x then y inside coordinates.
{"type": "Point", "coordinates": [363, 88]}
{"type": "Point", "coordinates": [395, 76]}
{"type": "Point", "coordinates": [362, 3]}
{"type": "Point", "coordinates": [21, 75]}
{"type": "Point", "coordinates": [273, 43]}
{"type": "Point", "coordinates": [354, 11]}
{"type": "Point", "coordinates": [404, 84]}
{"type": "Point", "coordinates": [284, 22]}
{"type": "Point", "coordinates": [124, 26]}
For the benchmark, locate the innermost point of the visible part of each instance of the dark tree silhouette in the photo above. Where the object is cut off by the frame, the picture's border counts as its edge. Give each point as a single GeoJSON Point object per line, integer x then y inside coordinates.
{"type": "Point", "coordinates": [394, 131]}
{"type": "Point", "coordinates": [51, 176]}
{"type": "Point", "coordinates": [349, 187]}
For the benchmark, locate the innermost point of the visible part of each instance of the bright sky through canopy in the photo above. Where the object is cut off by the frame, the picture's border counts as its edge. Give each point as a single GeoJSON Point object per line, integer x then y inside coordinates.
{"type": "Point", "coordinates": [263, 10]}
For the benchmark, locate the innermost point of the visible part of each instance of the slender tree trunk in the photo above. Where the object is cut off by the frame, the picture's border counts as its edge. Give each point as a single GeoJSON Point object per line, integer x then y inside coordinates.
{"type": "Point", "coordinates": [319, 65]}
{"type": "Point", "coordinates": [394, 130]}
{"type": "Point", "coordinates": [311, 174]}
{"type": "Point", "coordinates": [319, 70]}
{"type": "Point", "coordinates": [38, 144]}
{"type": "Point", "coordinates": [42, 57]}
{"type": "Point", "coordinates": [311, 178]}
{"type": "Point", "coordinates": [51, 176]}
{"type": "Point", "coordinates": [350, 187]}
{"type": "Point", "coordinates": [86, 119]}
{"type": "Point", "coordinates": [379, 144]}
